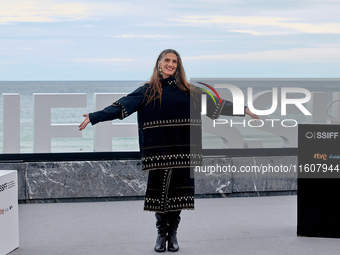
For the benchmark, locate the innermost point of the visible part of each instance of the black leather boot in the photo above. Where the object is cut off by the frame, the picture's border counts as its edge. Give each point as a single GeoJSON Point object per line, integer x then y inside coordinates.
{"type": "Point", "coordinates": [162, 228]}
{"type": "Point", "coordinates": [173, 221]}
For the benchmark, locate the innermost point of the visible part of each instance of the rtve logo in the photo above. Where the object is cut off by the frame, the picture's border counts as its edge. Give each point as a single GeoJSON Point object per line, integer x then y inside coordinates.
{"type": "Point", "coordinates": [320, 156]}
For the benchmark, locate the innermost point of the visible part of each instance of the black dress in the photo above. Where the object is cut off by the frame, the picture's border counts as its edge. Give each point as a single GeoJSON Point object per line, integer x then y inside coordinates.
{"type": "Point", "coordinates": [170, 141]}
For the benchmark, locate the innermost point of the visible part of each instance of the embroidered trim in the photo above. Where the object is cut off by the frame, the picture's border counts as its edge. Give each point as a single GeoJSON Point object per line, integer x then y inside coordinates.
{"type": "Point", "coordinates": [124, 111]}
{"type": "Point", "coordinates": [172, 122]}
{"type": "Point", "coordinates": [166, 187]}
{"type": "Point", "coordinates": [186, 198]}
{"type": "Point", "coordinates": [179, 202]}
{"type": "Point", "coordinates": [188, 206]}
{"type": "Point", "coordinates": [152, 200]}
{"type": "Point", "coordinates": [174, 210]}
{"type": "Point", "coordinates": [171, 156]}
{"type": "Point", "coordinates": [170, 82]}
{"type": "Point", "coordinates": [171, 165]}
{"type": "Point", "coordinates": [184, 206]}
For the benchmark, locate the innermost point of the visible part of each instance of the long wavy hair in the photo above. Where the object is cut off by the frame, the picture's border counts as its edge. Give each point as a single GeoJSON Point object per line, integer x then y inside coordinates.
{"type": "Point", "coordinates": [155, 89]}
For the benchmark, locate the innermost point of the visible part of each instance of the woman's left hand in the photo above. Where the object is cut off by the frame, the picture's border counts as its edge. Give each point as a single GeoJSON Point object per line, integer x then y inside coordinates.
{"type": "Point", "coordinates": [253, 115]}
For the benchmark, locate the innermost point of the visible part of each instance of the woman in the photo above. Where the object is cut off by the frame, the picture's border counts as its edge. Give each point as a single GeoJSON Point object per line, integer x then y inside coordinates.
{"type": "Point", "coordinates": [169, 122]}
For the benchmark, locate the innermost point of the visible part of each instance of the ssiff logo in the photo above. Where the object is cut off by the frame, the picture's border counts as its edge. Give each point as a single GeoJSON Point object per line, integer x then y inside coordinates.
{"type": "Point", "coordinates": [322, 135]}
{"type": "Point", "coordinates": [3, 187]}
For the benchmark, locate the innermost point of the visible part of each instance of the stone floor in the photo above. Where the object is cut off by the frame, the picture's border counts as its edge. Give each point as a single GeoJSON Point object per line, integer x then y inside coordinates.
{"type": "Point", "coordinates": [242, 225]}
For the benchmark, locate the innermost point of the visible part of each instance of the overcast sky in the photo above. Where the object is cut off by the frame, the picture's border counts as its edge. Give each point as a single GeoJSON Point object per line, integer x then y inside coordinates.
{"type": "Point", "coordinates": [113, 40]}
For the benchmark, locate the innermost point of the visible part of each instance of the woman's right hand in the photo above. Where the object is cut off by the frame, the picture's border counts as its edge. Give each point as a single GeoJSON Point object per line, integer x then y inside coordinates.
{"type": "Point", "coordinates": [85, 122]}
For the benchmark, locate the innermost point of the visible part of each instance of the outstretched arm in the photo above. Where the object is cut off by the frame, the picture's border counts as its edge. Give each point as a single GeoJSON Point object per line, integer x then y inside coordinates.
{"type": "Point", "coordinates": [118, 110]}
{"type": "Point", "coordinates": [109, 113]}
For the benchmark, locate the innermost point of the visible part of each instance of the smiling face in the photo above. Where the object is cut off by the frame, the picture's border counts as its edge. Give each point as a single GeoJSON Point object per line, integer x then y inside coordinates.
{"type": "Point", "coordinates": [168, 65]}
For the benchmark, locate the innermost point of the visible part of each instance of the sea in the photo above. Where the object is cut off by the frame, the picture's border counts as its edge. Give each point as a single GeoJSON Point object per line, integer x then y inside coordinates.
{"type": "Point", "coordinates": [26, 89]}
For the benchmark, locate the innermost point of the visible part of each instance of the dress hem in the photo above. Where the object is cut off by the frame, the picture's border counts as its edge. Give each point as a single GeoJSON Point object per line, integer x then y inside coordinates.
{"type": "Point", "coordinates": [174, 210]}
